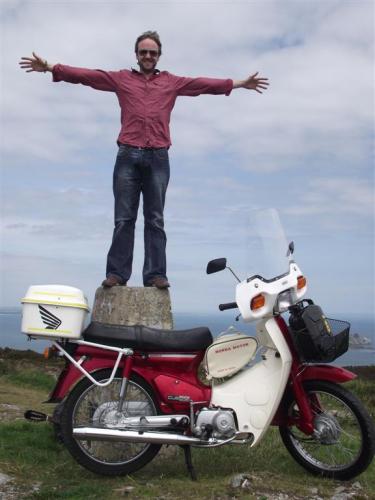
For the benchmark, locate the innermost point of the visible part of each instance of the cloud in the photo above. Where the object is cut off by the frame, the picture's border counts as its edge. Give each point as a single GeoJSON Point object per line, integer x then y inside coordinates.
{"type": "Point", "coordinates": [340, 197]}
{"type": "Point", "coordinates": [304, 146]}
{"type": "Point", "coordinates": [310, 78]}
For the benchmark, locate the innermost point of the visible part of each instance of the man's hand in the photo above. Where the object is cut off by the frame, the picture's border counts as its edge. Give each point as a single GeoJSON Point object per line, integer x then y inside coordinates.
{"type": "Point", "coordinates": [253, 82]}
{"type": "Point", "coordinates": [35, 63]}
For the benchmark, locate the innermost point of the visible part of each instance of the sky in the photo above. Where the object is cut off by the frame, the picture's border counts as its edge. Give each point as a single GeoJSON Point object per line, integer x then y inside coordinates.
{"type": "Point", "coordinates": [304, 147]}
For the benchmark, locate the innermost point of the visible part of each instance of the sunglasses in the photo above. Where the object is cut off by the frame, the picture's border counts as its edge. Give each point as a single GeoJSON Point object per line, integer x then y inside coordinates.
{"type": "Point", "coordinates": [144, 52]}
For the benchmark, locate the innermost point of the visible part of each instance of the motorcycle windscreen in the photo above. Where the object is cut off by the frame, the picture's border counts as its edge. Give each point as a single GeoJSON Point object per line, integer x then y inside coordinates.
{"type": "Point", "coordinates": [268, 248]}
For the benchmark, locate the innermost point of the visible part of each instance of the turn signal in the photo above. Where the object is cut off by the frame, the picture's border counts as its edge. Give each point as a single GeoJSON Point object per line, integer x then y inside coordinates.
{"type": "Point", "coordinates": [50, 352]}
{"type": "Point", "coordinates": [257, 302]}
{"type": "Point", "coordinates": [301, 282]}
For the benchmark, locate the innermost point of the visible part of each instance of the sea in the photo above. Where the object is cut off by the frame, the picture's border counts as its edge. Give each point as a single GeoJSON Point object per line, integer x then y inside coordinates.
{"type": "Point", "coordinates": [11, 336]}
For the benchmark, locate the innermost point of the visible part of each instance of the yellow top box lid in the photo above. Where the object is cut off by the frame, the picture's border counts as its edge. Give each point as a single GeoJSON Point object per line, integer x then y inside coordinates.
{"type": "Point", "coordinates": [56, 295]}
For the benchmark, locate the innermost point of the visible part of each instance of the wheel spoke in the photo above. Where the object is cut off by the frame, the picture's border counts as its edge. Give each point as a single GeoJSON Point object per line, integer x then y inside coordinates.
{"type": "Point", "coordinates": [338, 439]}
{"type": "Point", "coordinates": [347, 450]}
{"type": "Point", "coordinates": [97, 406]}
{"type": "Point", "coordinates": [350, 436]}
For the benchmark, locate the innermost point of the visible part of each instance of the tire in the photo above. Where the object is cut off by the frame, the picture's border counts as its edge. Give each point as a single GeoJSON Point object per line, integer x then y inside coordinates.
{"type": "Point", "coordinates": [346, 444]}
{"type": "Point", "coordinates": [56, 418]}
{"type": "Point", "coordinates": [91, 405]}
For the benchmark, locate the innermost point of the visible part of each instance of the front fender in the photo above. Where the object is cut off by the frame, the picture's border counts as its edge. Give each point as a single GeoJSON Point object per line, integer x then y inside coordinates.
{"type": "Point", "coordinates": [326, 372]}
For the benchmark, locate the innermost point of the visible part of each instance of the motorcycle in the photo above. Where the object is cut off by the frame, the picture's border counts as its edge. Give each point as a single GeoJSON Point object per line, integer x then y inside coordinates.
{"type": "Point", "coordinates": [127, 390]}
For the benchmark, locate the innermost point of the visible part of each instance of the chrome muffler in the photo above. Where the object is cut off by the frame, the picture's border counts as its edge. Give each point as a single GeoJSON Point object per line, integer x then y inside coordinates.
{"type": "Point", "coordinates": [154, 421]}
{"type": "Point", "coordinates": [97, 434]}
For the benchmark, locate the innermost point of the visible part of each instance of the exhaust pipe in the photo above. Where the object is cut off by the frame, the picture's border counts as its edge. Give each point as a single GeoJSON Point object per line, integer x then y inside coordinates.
{"type": "Point", "coordinates": [154, 421]}
{"type": "Point", "coordinates": [94, 433]}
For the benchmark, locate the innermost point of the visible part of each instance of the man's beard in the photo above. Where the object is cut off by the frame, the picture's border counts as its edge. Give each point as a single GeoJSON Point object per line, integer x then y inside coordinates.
{"type": "Point", "coordinates": [150, 68]}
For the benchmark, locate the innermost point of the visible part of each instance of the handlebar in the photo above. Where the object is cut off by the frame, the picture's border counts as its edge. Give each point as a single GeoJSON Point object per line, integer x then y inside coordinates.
{"type": "Point", "coordinates": [229, 305]}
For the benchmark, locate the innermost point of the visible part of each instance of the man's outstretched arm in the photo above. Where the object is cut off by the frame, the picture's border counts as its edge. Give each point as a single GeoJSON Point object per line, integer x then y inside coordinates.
{"type": "Point", "coordinates": [196, 86]}
{"type": "Point", "coordinates": [253, 82]}
{"type": "Point", "coordinates": [95, 78]}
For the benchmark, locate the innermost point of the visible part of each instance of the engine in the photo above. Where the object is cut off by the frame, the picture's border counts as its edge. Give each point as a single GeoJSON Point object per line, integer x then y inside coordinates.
{"type": "Point", "coordinates": [216, 423]}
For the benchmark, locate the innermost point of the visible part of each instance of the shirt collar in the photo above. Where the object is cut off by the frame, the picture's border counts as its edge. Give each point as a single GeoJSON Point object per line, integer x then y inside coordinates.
{"type": "Point", "coordinates": [156, 71]}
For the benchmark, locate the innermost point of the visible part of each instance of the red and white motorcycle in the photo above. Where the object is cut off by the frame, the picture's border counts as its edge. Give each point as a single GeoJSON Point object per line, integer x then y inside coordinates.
{"type": "Point", "coordinates": [127, 390]}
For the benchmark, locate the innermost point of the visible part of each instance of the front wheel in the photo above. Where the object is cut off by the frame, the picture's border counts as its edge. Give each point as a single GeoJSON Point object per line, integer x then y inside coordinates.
{"type": "Point", "coordinates": [343, 443]}
{"type": "Point", "coordinates": [94, 406]}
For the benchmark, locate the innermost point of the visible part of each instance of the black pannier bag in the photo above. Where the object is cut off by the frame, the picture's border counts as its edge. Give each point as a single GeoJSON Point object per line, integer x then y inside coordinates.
{"type": "Point", "coordinates": [316, 338]}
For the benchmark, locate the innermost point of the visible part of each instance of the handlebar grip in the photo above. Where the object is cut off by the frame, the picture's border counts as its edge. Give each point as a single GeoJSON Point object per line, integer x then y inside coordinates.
{"type": "Point", "coordinates": [229, 305]}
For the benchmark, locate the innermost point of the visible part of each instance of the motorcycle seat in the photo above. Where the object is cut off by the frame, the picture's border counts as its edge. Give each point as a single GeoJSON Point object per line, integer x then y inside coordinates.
{"type": "Point", "coordinates": [144, 338]}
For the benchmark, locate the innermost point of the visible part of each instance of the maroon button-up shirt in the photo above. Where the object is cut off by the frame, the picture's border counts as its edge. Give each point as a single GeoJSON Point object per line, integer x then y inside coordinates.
{"type": "Point", "coordinates": [146, 104]}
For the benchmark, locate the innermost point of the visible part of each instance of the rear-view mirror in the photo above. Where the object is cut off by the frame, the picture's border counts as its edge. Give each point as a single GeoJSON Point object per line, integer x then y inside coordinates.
{"type": "Point", "coordinates": [216, 265]}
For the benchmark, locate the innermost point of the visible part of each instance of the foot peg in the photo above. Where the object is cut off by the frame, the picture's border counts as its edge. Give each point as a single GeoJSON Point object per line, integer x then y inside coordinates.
{"type": "Point", "coordinates": [36, 416]}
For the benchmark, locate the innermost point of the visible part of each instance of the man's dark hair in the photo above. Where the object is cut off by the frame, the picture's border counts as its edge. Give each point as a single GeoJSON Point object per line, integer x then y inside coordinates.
{"type": "Point", "coordinates": [149, 34]}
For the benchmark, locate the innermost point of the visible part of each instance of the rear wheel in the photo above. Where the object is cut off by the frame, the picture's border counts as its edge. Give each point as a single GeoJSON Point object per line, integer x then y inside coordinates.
{"type": "Point", "coordinates": [56, 418]}
{"type": "Point", "coordinates": [343, 442]}
{"type": "Point", "coordinates": [93, 406]}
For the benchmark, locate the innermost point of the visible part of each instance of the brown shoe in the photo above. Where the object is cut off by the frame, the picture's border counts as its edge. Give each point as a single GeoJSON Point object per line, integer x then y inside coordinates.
{"type": "Point", "coordinates": [112, 280]}
{"type": "Point", "coordinates": [159, 282]}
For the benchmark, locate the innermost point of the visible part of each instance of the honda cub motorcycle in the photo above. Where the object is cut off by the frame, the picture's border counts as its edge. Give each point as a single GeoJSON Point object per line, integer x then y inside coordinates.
{"type": "Point", "coordinates": [127, 390]}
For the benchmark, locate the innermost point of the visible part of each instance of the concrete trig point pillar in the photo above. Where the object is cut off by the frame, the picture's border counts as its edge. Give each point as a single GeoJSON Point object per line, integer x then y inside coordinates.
{"type": "Point", "coordinates": [122, 305]}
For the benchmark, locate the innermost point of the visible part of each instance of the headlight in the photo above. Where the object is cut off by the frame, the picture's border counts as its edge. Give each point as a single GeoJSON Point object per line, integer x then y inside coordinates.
{"type": "Point", "coordinates": [284, 301]}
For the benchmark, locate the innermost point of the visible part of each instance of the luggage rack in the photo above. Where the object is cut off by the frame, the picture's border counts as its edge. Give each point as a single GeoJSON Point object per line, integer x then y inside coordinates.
{"type": "Point", "coordinates": [78, 364]}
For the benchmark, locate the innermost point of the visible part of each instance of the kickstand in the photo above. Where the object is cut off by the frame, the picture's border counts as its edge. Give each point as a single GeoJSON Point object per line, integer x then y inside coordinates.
{"type": "Point", "coordinates": [189, 463]}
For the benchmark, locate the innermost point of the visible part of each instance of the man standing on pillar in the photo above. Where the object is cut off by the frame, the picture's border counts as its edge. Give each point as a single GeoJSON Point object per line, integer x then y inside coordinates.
{"type": "Point", "coordinates": [146, 97]}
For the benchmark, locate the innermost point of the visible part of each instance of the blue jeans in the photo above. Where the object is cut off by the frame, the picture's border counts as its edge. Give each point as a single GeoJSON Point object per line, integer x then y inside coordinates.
{"type": "Point", "coordinates": [139, 171]}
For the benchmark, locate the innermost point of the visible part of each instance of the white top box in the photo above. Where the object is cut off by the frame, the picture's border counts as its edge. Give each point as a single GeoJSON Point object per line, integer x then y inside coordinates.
{"type": "Point", "coordinates": [54, 311]}
{"type": "Point", "coordinates": [56, 295]}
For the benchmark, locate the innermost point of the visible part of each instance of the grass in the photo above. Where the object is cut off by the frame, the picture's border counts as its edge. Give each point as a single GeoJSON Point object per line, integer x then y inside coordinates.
{"type": "Point", "coordinates": [30, 453]}
{"type": "Point", "coordinates": [43, 469]}
{"type": "Point", "coordinates": [31, 378]}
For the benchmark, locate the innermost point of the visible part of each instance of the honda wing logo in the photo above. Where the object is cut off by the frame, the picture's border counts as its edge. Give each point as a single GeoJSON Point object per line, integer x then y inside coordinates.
{"type": "Point", "coordinates": [49, 319]}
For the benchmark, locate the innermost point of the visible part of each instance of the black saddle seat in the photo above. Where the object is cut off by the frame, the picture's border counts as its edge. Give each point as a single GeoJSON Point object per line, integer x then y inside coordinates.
{"type": "Point", "coordinates": [144, 338]}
